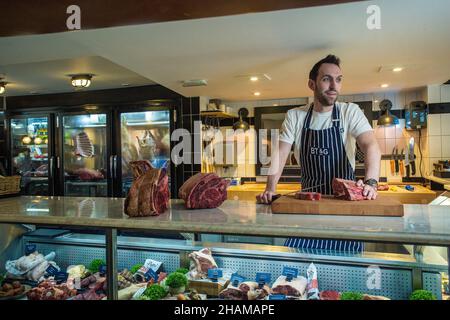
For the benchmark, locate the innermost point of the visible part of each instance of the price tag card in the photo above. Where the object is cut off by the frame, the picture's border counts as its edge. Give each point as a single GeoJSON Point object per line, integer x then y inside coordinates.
{"type": "Point", "coordinates": [102, 269]}
{"type": "Point", "coordinates": [277, 297]}
{"type": "Point", "coordinates": [263, 277]}
{"type": "Point", "coordinates": [51, 270]}
{"type": "Point", "coordinates": [29, 249]}
{"type": "Point", "coordinates": [215, 274]}
{"type": "Point", "coordinates": [290, 273]}
{"type": "Point", "coordinates": [236, 280]}
{"type": "Point", "coordinates": [61, 276]}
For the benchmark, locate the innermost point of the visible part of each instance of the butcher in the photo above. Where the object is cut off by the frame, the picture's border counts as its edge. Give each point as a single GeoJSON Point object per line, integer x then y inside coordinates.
{"type": "Point", "coordinates": [324, 134]}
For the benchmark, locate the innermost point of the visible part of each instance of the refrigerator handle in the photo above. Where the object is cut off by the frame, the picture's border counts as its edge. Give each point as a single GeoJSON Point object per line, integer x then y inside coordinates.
{"type": "Point", "coordinates": [115, 167]}
{"type": "Point", "coordinates": [58, 163]}
{"type": "Point", "coordinates": [51, 166]}
{"type": "Point", "coordinates": [111, 167]}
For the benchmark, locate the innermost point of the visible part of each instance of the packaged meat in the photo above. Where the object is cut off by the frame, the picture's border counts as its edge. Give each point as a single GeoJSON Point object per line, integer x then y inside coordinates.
{"type": "Point", "coordinates": [296, 287]}
{"type": "Point", "coordinates": [313, 284]}
{"type": "Point", "coordinates": [201, 262]}
{"type": "Point", "coordinates": [308, 195]}
{"type": "Point", "coordinates": [204, 190]}
{"type": "Point", "coordinates": [149, 194]}
{"type": "Point", "coordinates": [83, 145]}
{"type": "Point", "coordinates": [329, 295]}
{"type": "Point", "coordinates": [253, 290]}
{"type": "Point", "coordinates": [347, 190]}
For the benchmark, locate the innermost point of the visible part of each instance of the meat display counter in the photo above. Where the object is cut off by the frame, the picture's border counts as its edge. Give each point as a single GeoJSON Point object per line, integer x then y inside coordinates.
{"type": "Point", "coordinates": [101, 230]}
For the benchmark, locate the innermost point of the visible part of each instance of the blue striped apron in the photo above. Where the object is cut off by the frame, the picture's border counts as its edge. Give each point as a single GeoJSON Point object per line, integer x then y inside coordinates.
{"type": "Point", "coordinates": [323, 157]}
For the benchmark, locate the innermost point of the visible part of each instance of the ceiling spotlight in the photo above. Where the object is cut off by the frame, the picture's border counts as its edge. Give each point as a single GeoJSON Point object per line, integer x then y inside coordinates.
{"type": "Point", "coordinates": [257, 93]}
{"type": "Point", "coordinates": [398, 69]}
{"type": "Point", "coordinates": [2, 87]}
{"type": "Point", "coordinates": [384, 85]}
{"type": "Point", "coordinates": [81, 80]}
{"type": "Point", "coordinates": [26, 140]}
{"type": "Point", "coordinates": [253, 78]}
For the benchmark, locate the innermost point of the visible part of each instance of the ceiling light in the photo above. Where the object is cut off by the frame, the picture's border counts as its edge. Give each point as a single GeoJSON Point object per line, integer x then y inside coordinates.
{"type": "Point", "coordinates": [398, 69]}
{"type": "Point", "coordinates": [275, 104]}
{"type": "Point", "coordinates": [384, 85]}
{"type": "Point", "coordinates": [37, 140]}
{"type": "Point", "coordinates": [26, 140]}
{"type": "Point", "coordinates": [253, 78]}
{"type": "Point", "coordinates": [81, 80]}
{"type": "Point", "coordinates": [257, 93]}
{"type": "Point", "coordinates": [376, 101]}
{"type": "Point", "coordinates": [2, 87]}
{"type": "Point", "coordinates": [195, 83]}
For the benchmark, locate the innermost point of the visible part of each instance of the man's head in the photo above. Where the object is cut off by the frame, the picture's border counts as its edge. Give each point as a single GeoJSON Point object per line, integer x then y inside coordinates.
{"type": "Point", "coordinates": [325, 80]}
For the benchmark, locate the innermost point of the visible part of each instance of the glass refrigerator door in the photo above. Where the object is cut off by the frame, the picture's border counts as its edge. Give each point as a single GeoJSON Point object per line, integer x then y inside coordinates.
{"type": "Point", "coordinates": [29, 140]}
{"type": "Point", "coordinates": [144, 136]}
{"type": "Point", "coordinates": [85, 155]}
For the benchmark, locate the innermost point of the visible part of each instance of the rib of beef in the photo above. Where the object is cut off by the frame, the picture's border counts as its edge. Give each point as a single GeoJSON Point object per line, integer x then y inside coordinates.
{"type": "Point", "coordinates": [201, 262]}
{"type": "Point", "coordinates": [347, 190]}
{"type": "Point", "coordinates": [295, 287]}
{"type": "Point", "coordinates": [149, 194]}
{"type": "Point", "coordinates": [232, 293]}
{"type": "Point", "coordinates": [204, 190]}
{"type": "Point", "coordinates": [252, 290]}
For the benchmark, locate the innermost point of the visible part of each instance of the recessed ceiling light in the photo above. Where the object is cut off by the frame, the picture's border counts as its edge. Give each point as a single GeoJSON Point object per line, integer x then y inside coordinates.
{"type": "Point", "coordinates": [384, 85]}
{"type": "Point", "coordinates": [275, 104]}
{"type": "Point", "coordinates": [125, 84]}
{"type": "Point", "coordinates": [253, 78]}
{"type": "Point", "coordinates": [376, 101]}
{"type": "Point", "coordinates": [397, 69]}
{"type": "Point", "coordinates": [257, 93]}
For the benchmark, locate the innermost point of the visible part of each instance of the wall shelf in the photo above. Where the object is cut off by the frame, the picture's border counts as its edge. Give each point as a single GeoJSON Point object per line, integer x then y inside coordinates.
{"type": "Point", "coordinates": [217, 114]}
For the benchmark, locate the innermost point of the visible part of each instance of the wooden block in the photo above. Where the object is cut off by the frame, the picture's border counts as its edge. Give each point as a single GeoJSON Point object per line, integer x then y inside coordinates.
{"type": "Point", "coordinates": [382, 206]}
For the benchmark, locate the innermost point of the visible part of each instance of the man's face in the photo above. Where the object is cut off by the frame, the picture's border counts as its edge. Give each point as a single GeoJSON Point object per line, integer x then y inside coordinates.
{"type": "Point", "coordinates": [328, 84]}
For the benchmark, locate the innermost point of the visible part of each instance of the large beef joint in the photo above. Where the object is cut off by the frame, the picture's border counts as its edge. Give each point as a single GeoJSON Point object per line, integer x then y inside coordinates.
{"type": "Point", "coordinates": [201, 262]}
{"type": "Point", "coordinates": [347, 190]}
{"type": "Point", "coordinates": [149, 194]}
{"type": "Point", "coordinates": [204, 190]}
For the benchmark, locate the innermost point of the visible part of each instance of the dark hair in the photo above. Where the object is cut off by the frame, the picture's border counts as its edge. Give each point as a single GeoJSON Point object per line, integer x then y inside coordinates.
{"type": "Point", "coordinates": [331, 58]}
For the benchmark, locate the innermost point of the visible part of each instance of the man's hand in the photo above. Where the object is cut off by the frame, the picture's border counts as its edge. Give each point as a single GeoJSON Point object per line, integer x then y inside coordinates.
{"type": "Point", "coordinates": [369, 192]}
{"type": "Point", "coordinates": [265, 197]}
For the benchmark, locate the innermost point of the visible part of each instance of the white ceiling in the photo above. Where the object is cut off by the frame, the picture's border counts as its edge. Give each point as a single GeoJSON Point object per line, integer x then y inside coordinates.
{"type": "Point", "coordinates": [283, 44]}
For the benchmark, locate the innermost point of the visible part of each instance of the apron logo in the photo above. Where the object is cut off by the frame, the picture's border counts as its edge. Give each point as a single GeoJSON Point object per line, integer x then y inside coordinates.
{"type": "Point", "coordinates": [319, 151]}
{"type": "Point", "coordinates": [341, 130]}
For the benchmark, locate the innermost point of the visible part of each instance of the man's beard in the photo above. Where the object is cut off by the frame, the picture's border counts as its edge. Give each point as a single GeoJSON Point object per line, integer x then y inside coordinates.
{"type": "Point", "coordinates": [325, 100]}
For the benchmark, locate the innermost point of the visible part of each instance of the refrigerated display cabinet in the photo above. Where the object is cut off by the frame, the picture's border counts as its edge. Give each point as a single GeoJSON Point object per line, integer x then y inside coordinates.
{"type": "Point", "coordinates": [74, 243]}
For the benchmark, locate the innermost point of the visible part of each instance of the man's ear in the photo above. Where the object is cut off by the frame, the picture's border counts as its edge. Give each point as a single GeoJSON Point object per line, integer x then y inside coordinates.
{"type": "Point", "coordinates": [311, 85]}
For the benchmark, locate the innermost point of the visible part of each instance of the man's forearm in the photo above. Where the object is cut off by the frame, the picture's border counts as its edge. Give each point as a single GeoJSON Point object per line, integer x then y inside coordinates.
{"type": "Point", "coordinates": [372, 162]}
{"type": "Point", "coordinates": [283, 152]}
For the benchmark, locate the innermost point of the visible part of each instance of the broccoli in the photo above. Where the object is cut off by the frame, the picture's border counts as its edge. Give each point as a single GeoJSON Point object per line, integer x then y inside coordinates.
{"type": "Point", "coordinates": [135, 268]}
{"type": "Point", "coordinates": [422, 295]}
{"type": "Point", "coordinates": [95, 265]}
{"type": "Point", "coordinates": [352, 296]}
{"type": "Point", "coordinates": [155, 292]}
{"type": "Point", "coordinates": [182, 270]}
{"type": "Point", "coordinates": [176, 280]}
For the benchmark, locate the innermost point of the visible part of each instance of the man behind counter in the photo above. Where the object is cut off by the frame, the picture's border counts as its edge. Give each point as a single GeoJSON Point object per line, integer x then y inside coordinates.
{"type": "Point", "coordinates": [324, 135]}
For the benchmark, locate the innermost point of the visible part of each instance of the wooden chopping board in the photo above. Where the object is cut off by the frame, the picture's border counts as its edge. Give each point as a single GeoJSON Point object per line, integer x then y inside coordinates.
{"type": "Point", "coordinates": [382, 206]}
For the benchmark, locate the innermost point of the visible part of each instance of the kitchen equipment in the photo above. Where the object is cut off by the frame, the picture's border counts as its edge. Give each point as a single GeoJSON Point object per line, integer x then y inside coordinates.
{"type": "Point", "coordinates": [402, 164]}
{"type": "Point", "coordinates": [409, 187]}
{"type": "Point", "coordinates": [442, 169]}
{"type": "Point", "coordinates": [416, 115]}
{"type": "Point", "coordinates": [411, 157]}
{"type": "Point", "coordinates": [382, 206]}
{"type": "Point", "coordinates": [392, 162]}
{"type": "Point", "coordinates": [396, 158]}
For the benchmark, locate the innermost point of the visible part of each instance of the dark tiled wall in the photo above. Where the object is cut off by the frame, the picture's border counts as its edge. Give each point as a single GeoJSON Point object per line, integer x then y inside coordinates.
{"type": "Point", "coordinates": [189, 112]}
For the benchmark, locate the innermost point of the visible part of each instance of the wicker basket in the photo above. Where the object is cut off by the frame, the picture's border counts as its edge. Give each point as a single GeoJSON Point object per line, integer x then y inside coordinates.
{"type": "Point", "coordinates": [9, 185]}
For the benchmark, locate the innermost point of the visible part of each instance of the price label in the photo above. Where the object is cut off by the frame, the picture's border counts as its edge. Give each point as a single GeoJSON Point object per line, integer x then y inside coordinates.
{"type": "Point", "coordinates": [290, 273]}
{"type": "Point", "coordinates": [61, 276]}
{"type": "Point", "coordinates": [151, 274]}
{"type": "Point", "coordinates": [102, 269]}
{"type": "Point", "coordinates": [236, 280]}
{"type": "Point", "coordinates": [215, 274]}
{"type": "Point", "coordinates": [263, 277]}
{"type": "Point", "coordinates": [29, 249]}
{"type": "Point", "coordinates": [277, 297]}
{"type": "Point", "coordinates": [51, 270]}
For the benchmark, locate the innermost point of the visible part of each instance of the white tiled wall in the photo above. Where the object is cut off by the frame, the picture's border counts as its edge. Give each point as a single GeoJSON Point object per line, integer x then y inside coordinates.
{"type": "Point", "coordinates": [438, 139]}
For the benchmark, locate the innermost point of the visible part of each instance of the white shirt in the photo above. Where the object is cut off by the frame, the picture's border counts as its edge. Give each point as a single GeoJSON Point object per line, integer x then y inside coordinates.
{"type": "Point", "coordinates": [352, 119]}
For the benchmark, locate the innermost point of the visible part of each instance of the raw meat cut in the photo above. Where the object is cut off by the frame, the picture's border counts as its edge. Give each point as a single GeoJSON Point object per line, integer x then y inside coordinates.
{"type": "Point", "coordinates": [201, 262]}
{"type": "Point", "coordinates": [329, 295]}
{"type": "Point", "coordinates": [308, 195]}
{"type": "Point", "coordinates": [149, 194]}
{"type": "Point", "coordinates": [296, 287]}
{"type": "Point", "coordinates": [83, 145]}
{"type": "Point", "coordinates": [86, 174]}
{"type": "Point", "coordinates": [232, 293]}
{"type": "Point", "coordinates": [48, 290]}
{"type": "Point", "coordinates": [139, 167]}
{"type": "Point", "coordinates": [347, 190]}
{"type": "Point", "coordinates": [204, 190]}
{"type": "Point", "coordinates": [253, 292]}
{"type": "Point", "coordinates": [383, 187]}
